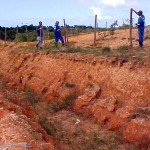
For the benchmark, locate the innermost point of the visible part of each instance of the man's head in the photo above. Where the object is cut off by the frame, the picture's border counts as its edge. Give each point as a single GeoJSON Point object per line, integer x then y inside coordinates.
{"type": "Point", "coordinates": [57, 23]}
{"type": "Point", "coordinates": [140, 12]}
{"type": "Point", "coordinates": [40, 23]}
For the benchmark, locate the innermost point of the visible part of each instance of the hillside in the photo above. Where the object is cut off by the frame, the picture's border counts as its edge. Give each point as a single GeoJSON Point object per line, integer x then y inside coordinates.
{"type": "Point", "coordinates": [82, 101]}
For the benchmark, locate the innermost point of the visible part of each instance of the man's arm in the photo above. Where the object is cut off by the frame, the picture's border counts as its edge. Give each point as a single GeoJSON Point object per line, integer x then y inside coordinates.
{"type": "Point", "coordinates": [39, 28]}
{"type": "Point", "coordinates": [134, 11]}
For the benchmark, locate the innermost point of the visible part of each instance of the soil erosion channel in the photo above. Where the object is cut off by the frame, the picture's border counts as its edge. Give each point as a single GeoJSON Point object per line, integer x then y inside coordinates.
{"type": "Point", "coordinates": [78, 101]}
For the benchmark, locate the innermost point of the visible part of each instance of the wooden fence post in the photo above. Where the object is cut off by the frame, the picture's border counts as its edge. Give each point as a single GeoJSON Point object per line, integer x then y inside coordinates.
{"type": "Point", "coordinates": [65, 30]}
{"type": "Point", "coordinates": [26, 33]}
{"type": "Point", "coordinates": [17, 34]}
{"type": "Point", "coordinates": [47, 32]}
{"type": "Point", "coordinates": [95, 29]}
{"type": "Point", "coordinates": [5, 35]}
{"type": "Point", "coordinates": [131, 24]}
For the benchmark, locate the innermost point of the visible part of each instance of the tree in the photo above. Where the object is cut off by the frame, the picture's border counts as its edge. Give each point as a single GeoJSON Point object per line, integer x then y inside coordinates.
{"type": "Point", "coordinates": [113, 28]}
{"type": "Point", "coordinates": [114, 24]}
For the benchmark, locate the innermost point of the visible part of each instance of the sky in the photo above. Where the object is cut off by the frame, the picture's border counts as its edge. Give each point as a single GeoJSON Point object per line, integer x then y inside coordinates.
{"type": "Point", "coordinates": [75, 12]}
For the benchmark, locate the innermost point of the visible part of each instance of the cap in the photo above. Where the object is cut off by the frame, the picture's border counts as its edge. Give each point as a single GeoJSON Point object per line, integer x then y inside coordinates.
{"type": "Point", "coordinates": [140, 11]}
{"type": "Point", "coordinates": [57, 22]}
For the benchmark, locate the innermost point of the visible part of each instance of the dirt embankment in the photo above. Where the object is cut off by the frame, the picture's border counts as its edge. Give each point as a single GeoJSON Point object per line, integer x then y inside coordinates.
{"type": "Point", "coordinates": [114, 92]}
{"type": "Point", "coordinates": [16, 130]}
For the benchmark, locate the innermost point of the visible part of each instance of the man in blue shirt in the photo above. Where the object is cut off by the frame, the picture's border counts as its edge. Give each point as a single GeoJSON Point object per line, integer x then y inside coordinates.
{"type": "Point", "coordinates": [57, 34]}
{"type": "Point", "coordinates": [141, 26]}
{"type": "Point", "coordinates": [39, 33]}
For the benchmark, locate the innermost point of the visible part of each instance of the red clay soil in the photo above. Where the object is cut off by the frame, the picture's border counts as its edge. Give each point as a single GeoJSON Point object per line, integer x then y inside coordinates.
{"type": "Point", "coordinates": [17, 132]}
{"type": "Point", "coordinates": [120, 38]}
{"type": "Point", "coordinates": [114, 92]}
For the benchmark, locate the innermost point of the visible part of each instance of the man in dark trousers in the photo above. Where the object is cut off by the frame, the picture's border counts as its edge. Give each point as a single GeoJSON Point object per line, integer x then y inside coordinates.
{"type": "Point", "coordinates": [39, 33]}
{"type": "Point", "coordinates": [57, 34]}
{"type": "Point", "coordinates": [141, 26]}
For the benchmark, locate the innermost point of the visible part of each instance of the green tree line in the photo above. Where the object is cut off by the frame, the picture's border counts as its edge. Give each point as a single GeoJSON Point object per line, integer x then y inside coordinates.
{"type": "Point", "coordinates": [11, 33]}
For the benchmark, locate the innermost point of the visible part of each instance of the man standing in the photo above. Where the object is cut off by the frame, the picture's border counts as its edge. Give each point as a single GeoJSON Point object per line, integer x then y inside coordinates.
{"type": "Point", "coordinates": [141, 26]}
{"type": "Point", "coordinates": [57, 34]}
{"type": "Point", "coordinates": [39, 33]}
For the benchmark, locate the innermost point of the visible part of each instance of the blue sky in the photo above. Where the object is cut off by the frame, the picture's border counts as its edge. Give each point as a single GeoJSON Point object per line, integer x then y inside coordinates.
{"type": "Point", "coordinates": [80, 12]}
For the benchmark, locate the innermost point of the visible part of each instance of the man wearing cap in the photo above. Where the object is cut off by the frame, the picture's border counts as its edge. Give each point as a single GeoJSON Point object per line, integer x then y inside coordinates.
{"type": "Point", "coordinates": [141, 26]}
{"type": "Point", "coordinates": [57, 34]}
{"type": "Point", "coordinates": [39, 33]}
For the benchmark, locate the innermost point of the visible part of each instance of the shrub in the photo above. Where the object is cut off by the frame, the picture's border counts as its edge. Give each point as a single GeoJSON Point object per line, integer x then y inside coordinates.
{"type": "Point", "coordinates": [22, 37]}
{"type": "Point", "coordinates": [73, 49]}
{"type": "Point", "coordinates": [123, 48]}
{"type": "Point", "coordinates": [106, 50]}
{"type": "Point", "coordinates": [111, 32]}
{"type": "Point", "coordinates": [49, 127]}
{"type": "Point", "coordinates": [66, 103]}
{"type": "Point", "coordinates": [30, 96]}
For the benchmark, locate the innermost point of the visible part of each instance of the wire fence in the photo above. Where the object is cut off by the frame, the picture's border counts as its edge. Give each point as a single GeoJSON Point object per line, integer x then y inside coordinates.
{"type": "Point", "coordinates": [28, 33]}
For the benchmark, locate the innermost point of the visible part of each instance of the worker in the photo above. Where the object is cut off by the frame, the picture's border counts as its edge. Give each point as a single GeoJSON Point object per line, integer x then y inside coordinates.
{"type": "Point", "coordinates": [57, 34]}
{"type": "Point", "coordinates": [39, 33]}
{"type": "Point", "coordinates": [141, 26]}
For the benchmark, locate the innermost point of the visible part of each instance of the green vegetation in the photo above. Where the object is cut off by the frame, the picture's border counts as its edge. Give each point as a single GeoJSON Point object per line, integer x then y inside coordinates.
{"type": "Point", "coordinates": [105, 50]}
{"type": "Point", "coordinates": [77, 136]}
{"type": "Point", "coordinates": [30, 97]}
{"type": "Point", "coordinates": [66, 103]}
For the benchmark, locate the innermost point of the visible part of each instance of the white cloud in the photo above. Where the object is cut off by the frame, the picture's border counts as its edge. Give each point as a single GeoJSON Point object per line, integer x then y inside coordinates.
{"type": "Point", "coordinates": [97, 11]}
{"type": "Point", "coordinates": [116, 3]}
{"type": "Point", "coordinates": [112, 3]}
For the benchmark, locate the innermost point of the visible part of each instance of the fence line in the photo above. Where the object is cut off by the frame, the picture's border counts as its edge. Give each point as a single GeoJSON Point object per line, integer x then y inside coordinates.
{"type": "Point", "coordinates": [23, 32]}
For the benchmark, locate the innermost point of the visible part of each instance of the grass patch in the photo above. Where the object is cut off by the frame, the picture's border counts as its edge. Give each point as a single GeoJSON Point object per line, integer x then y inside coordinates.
{"type": "Point", "coordinates": [30, 96]}
{"type": "Point", "coordinates": [49, 127]}
{"type": "Point", "coordinates": [123, 48]}
{"type": "Point", "coordinates": [105, 50]}
{"type": "Point", "coordinates": [66, 103]}
{"type": "Point", "coordinates": [73, 49]}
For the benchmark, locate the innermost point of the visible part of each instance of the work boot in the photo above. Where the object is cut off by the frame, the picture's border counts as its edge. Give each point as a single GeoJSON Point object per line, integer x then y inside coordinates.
{"type": "Point", "coordinates": [37, 46]}
{"type": "Point", "coordinates": [140, 44]}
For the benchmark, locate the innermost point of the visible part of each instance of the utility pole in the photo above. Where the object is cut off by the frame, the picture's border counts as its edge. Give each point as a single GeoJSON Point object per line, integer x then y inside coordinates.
{"type": "Point", "coordinates": [95, 29]}
{"type": "Point", "coordinates": [131, 24]}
